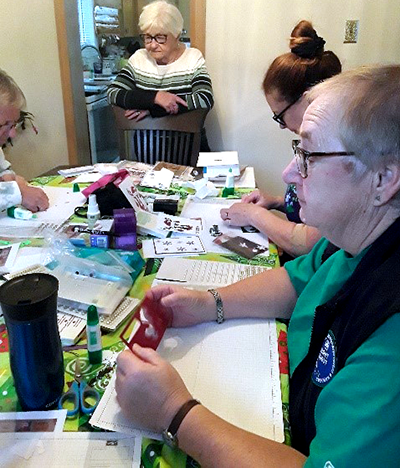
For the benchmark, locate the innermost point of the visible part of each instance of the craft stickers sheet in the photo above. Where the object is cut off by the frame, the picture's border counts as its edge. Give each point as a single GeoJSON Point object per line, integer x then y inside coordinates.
{"type": "Point", "coordinates": [241, 246]}
{"type": "Point", "coordinates": [179, 246]}
{"type": "Point", "coordinates": [188, 226]}
{"type": "Point", "coordinates": [133, 195]}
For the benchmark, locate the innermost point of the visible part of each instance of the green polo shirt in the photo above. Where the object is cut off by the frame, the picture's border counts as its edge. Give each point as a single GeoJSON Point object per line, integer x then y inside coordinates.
{"type": "Point", "coordinates": [357, 414]}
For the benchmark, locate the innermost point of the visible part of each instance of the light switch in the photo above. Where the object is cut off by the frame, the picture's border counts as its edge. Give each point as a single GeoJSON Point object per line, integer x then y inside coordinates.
{"type": "Point", "coordinates": [351, 31]}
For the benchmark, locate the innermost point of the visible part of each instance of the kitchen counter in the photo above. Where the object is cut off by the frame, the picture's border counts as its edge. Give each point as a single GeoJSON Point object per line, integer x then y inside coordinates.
{"type": "Point", "coordinates": [96, 87]}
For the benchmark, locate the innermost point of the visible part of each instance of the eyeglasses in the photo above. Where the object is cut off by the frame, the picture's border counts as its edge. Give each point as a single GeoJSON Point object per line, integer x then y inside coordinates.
{"type": "Point", "coordinates": [302, 156]}
{"type": "Point", "coordinates": [279, 117]}
{"type": "Point", "coordinates": [159, 38]}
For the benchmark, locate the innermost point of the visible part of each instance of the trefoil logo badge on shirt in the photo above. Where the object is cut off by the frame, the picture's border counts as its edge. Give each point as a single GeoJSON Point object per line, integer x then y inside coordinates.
{"type": "Point", "coordinates": [325, 366]}
{"type": "Point", "coordinates": [328, 464]}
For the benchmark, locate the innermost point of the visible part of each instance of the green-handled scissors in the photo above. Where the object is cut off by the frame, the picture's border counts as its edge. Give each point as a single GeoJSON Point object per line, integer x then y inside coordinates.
{"type": "Point", "coordinates": [80, 395]}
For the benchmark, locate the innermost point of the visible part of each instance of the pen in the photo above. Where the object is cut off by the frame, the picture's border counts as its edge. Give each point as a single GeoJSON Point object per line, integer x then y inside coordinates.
{"type": "Point", "coordinates": [171, 280]}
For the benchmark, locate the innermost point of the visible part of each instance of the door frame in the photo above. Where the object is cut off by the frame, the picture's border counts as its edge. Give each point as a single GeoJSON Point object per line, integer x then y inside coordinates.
{"type": "Point", "coordinates": [71, 71]}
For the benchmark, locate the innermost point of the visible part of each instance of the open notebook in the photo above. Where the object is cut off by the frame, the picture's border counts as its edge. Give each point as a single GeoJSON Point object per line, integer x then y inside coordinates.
{"type": "Point", "coordinates": [233, 369]}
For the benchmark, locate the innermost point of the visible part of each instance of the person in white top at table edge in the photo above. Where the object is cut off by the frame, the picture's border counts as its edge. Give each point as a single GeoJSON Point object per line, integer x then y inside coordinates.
{"type": "Point", "coordinates": [343, 335]}
{"type": "Point", "coordinates": [285, 86]}
{"type": "Point", "coordinates": [14, 190]}
{"type": "Point", "coordinates": [165, 77]}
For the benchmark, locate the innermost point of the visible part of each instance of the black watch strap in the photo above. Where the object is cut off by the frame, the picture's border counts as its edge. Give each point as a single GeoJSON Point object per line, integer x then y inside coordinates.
{"type": "Point", "coordinates": [169, 435]}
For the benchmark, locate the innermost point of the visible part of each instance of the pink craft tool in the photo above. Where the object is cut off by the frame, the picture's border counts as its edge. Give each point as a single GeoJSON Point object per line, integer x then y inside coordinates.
{"type": "Point", "coordinates": [146, 334]}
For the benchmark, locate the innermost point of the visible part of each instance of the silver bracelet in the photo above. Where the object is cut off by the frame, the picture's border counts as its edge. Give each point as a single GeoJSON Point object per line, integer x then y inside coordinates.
{"type": "Point", "coordinates": [219, 304]}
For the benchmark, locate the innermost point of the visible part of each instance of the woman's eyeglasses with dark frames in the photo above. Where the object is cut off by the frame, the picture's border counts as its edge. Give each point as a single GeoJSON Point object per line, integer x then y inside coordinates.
{"type": "Point", "coordinates": [302, 156]}
{"type": "Point", "coordinates": [279, 117]}
{"type": "Point", "coordinates": [159, 38]}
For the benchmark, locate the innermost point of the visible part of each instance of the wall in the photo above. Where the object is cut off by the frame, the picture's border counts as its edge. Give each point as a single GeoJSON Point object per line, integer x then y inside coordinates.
{"type": "Point", "coordinates": [29, 54]}
{"type": "Point", "coordinates": [241, 42]}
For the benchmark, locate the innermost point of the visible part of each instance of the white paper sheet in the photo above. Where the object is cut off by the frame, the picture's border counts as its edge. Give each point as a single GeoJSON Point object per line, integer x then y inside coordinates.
{"type": "Point", "coordinates": [231, 368]}
{"type": "Point", "coordinates": [218, 158]}
{"type": "Point", "coordinates": [69, 450]}
{"type": "Point", "coordinates": [209, 211]}
{"type": "Point", "coordinates": [62, 201]}
{"type": "Point", "coordinates": [88, 178]}
{"type": "Point", "coordinates": [29, 256]}
{"type": "Point", "coordinates": [158, 179]}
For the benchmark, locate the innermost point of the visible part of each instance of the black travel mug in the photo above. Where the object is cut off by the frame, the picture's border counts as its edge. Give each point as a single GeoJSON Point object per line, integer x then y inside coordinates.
{"type": "Point", "coordinates": [29, 305]}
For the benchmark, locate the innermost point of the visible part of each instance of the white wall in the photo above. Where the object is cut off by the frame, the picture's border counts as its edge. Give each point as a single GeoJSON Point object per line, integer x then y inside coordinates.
{"type": "Point", "coordinates": [242, 39]}
{"type": "Point", "coordinates": [29, 54]}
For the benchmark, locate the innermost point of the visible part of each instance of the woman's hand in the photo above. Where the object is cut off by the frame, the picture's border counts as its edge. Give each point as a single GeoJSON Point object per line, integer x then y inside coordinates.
{"type": "Point", "coordinates": [241, 214]}
{"type": "Point", "coordinates": [149, 389]}
{"type": "Point", "coordinates": [184, 307]}
{"type": "Point", "coordinates": [33, 198]}
{"type": "Point", "coordinates": [263, 199]}
{"type": "Point", "coordinates": [136, 114]}
{"type": "Point", "coordinates": [169, 101]}
{"type": "Point", "coordinates": [8, 177]}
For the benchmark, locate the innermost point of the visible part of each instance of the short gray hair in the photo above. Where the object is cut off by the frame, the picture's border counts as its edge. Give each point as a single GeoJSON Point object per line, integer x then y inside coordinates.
{"type": "Point", "coordinates": [366, 102]}
{"type": "Point", "coordinates": [10, 93]}
{"type": "Point", "coordinates": [161, 17]}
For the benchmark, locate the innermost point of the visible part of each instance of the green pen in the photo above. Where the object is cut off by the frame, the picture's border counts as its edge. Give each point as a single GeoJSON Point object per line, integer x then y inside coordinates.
{"type": "Point", "coordinates": [93, 335]}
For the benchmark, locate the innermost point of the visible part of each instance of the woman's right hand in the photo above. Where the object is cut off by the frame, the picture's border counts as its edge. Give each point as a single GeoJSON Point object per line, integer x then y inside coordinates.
{"type": "Point", "coordinates": [263, 199]}
{"type": "Point", "coordinates": [169, 101]}
{"type": "Point", "coordinates": [33, 198]}
{"type": "Point", "coordinates": [136, 114]}
{"type": "Point", "coordinates": [185, 307]}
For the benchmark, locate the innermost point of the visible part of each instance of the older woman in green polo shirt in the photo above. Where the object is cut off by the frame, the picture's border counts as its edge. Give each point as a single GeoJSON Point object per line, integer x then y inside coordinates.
{"type": "Point", "coordinates": [343, 303]}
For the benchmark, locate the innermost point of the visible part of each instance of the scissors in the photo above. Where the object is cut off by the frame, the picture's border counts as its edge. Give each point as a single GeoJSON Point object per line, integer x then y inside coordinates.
{"type": "Point", "coordinates": [80, 395]}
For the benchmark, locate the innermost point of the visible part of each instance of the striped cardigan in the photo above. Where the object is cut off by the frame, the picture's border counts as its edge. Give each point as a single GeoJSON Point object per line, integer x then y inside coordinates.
{"type": "Point", "coordinates": [137, 84]}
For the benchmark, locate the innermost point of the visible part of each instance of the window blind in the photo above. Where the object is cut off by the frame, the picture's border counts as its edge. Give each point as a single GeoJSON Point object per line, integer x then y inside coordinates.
{"type": "Point", "coordinates": [86, 22]}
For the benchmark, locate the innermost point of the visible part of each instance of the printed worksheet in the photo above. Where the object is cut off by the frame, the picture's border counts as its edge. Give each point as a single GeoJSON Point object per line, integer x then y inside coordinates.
{"type": "Point", "coordinates": [179, 224]}
{"type": "Point", "coordinates": [177, 247]}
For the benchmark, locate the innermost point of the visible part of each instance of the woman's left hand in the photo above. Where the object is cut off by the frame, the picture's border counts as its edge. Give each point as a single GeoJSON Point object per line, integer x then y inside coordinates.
{"type": "Point", "coordinates": [169, 101]}
{"type": "Point", "coordinates": [136, 114]}
{"type": "Point", "coordinates": [149, 389]}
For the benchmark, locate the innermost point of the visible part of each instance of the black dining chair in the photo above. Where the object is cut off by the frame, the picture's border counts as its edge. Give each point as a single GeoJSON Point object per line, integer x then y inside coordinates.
{"type": "Point", "coordinates": [174, 138]}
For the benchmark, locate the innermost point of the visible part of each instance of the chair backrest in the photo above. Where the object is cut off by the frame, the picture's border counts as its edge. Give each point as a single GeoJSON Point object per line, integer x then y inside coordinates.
{"type": "Point", "coordinates": [174, 138]}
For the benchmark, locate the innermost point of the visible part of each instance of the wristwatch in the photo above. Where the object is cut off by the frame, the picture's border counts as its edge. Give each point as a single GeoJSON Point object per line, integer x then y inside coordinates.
{"type": "Point", "coordinates": [169, 435]}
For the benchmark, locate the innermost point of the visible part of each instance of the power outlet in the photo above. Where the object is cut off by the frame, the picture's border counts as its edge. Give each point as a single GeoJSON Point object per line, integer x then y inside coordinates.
{"type": "Point", "coordinates": [351, 32]}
